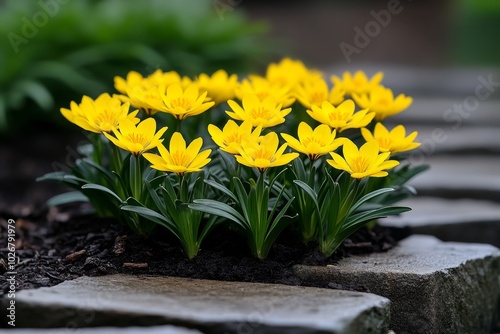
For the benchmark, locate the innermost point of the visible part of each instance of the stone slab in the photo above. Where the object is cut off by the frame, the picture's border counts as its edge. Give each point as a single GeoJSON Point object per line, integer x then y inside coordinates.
{"type": "Point", "coordinates": [462, 220]}
{"type": "Point", "coordinates": [470, 176]}
{"type": "Point", "coordinates": [464, 140]}
{"type": "Point", "coordinates": [425, 81]}
{"type": "Point", "coordinates": [434, 286]}
{"type": "Point", "coordinates": [442, 112]}
{"type": "Point", "coordinates": [209, 306]}
{"type": "Point", "coordinates": [109, 330]}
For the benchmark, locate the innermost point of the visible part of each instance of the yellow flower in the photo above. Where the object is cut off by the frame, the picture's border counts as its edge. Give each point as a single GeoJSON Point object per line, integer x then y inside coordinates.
{"type": "Point", "coordinates": [394, 141]}
{"type": "Point", "coordinates": [133, 79]}
{"type": "Point", "coordinates": [220, 87]}
{"type": "Point", "coordinates": [142, 92]}
{"type": "Point", "coordinates": [365, 162]}
{"type": "Point", "coordinates": [341, 117]}
{"type": "Point", "coordinates": [99, 115]}
{"type": "Point", "coordinates": [179, 159]}
{"type": "Point", "coordinates": [181, 103]}
{"type": "Point", "coordinates": [263, 89]}
{"type": "Point", "coordinates": [381, 101]}
{"type": "Point", "coordinates": [232, 136]}
{"type": "Point", "coordinates": [315, 92]}
{"type": "Point", "coordinates": [137, 139]}
{"type": "Point", "coordinates": [264, 153]}
{"type": "Point", "coordinates": [357, 83]}
{"type": "Point", "coordinates": [290, 72]}
{"type": "Point", "coordinates": [266, 113]}
{"type": "Point", "coordinates": [314, 143]}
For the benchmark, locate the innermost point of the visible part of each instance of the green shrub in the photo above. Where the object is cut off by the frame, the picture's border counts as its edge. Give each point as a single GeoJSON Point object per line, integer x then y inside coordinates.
{"type": "Point", "coordinates": [55, 51]}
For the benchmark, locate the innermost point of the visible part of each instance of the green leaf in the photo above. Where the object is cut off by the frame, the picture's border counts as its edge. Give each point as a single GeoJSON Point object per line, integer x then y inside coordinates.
{"type": "Point", "coordinates": [103, 189]}
{"type": "Point", "coordinates": [35, 91]}
{"type": "Point", "coordinates": [69, 197]}
{"type": "Point", "coordinates": [153, 216]}
{"type": "Point", "coordinates": [3, 114]}
{"type": "Point", "coordinates": [368, 197]}
{"type": "Point", "coordinates": [220, 209]}
{"type": "Point", "coordinates": [363, 217]}
{"type": "Point", "coordinates": [308, 190]}
{"type": "Point", "coordinates": [221, 188]}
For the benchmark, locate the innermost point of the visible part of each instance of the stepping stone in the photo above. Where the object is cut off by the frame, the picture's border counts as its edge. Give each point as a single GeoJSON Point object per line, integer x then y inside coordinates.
{"type": "Point", "coordinates": [438, 140]}
{"type": "Point", "coordinates": [212, 306]}
{"type": "Point", "coordinates": [434, 286]}
{"type": "Point", "coordinates": [415, 81]}
{"type": "Point", "coordinates": [440, 111]}
{"type": "Point", "coordinates": [110, 330]}
{"type": "Point", "coordinates": [462, 220]}
{"type": "Point", "coordinates": [467, 176]}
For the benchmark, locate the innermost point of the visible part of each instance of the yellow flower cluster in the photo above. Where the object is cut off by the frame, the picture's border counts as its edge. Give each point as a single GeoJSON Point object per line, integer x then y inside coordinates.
{"type": "Point", "coordinates": [259, 103]}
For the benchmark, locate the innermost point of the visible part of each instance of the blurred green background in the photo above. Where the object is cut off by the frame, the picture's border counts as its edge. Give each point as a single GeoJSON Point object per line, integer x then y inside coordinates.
{"type": "Point", "coordinates": [55, 51]}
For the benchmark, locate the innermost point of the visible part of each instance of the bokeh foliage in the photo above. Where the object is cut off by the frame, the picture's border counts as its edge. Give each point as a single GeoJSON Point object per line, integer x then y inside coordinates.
{"type": "Point", "coordinates": [54, 52]}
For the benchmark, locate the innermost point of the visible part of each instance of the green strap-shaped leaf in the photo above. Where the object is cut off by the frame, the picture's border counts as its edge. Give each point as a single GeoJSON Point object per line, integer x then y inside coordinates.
{"type": "Point", "coordinates": [153, 216]}
{"type": "Point", "coordinates": [103, 189]}
{"type": "Point", "coordinates": [219, 209]}
{"type": "Point", "coordinates": [368, 197]}
{"type": "Point", "coordinates": [69, 197]}
{"type": "Point", "coordinates": [221, 188]}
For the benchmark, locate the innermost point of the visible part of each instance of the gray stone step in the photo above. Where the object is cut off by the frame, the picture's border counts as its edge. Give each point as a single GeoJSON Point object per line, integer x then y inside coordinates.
{"type": "Point", "coordinates": [213, 306]}
{"type": "Point", "coordinates": [434, 286]}
{"type": "Point", "coordinates": [418, 81]}
{"type": "Point", "coordinates": [467, 176]}
{"type": "Point", "coordinates": [439, 140]}
{"type": "Point", "coordinates": [109, 330]}
{"type": "Point", "coordinates": [462, 220]}
{"type": "Point", "coordinates": [444, 112]}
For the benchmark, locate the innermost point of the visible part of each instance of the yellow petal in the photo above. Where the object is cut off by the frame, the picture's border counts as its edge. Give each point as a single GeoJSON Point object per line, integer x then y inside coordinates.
{"type": "Point", "coordinates": [177, 142]}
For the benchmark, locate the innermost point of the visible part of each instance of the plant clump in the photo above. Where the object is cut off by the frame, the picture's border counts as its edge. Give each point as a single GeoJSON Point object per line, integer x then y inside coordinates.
{"type": "Point", "coordinates": [282, 150]}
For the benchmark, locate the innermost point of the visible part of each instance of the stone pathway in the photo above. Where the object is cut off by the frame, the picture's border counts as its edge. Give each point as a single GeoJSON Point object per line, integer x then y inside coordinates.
{"type": "Point", "coordinates": [210, 306]}
{"type": "Point", "coordinates": [460, 176]}
{"type": "Point", "coordinates": [465, 220]}
{"type": "Point", "coordinates": [433, 286]}
{"type": "Point", "coordinates": [110, 330]}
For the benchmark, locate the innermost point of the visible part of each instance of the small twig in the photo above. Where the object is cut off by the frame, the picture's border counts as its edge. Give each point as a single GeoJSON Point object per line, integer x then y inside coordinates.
{"type": "Point", "coordinates": [75, 256]}
{"type": "Point", "coordinates": [135, 265]}
{"type": "Point", "coordinates": [53, 276]}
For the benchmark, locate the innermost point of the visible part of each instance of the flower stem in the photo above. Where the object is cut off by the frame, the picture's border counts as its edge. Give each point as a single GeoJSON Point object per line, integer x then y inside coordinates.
{"type": "Point", "coordinates": [137, 178]}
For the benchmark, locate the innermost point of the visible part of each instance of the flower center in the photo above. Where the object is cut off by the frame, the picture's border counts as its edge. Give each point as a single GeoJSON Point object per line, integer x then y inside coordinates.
{"type": "Point", "coordinates": [260, 112]}
{"type": "Point", "coordinates": [136, 138]}
{"type": "Point", "coordinates": [384, 142]}
{"type": "Point", "coordinates": [339, 116]}
{"type": "Point", "coordinates": [180, 158]}
{"type": "Point", "coordinates": [181, 102]}
{"type": "Point", "coordinates": [318, 97]}
{"type": "Point", "coordinates": [233, 138]}
{"type": "Point", "coordinates": [311, 140]}
{"type": "Point", "coordinates": [360, 164]}
{"type": "Point", "coordinates": [384, 101]}
{"type": "Point", "coordinates": [262, 95]}
{"type": "Point", "coordinates": [264, 153]}
{"type": "Point", "coordinates": [106, 120]}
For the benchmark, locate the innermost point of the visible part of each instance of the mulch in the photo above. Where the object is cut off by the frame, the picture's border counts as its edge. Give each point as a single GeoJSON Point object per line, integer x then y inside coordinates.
{"type": "Point", "coordinates": [60, 246]}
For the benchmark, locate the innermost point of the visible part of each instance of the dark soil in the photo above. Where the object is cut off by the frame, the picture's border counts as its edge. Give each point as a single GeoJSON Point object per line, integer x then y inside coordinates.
{"type": "Point", "coordinates": [61, 244]}
{"type": "Point", "coordinates": [58, 248]}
